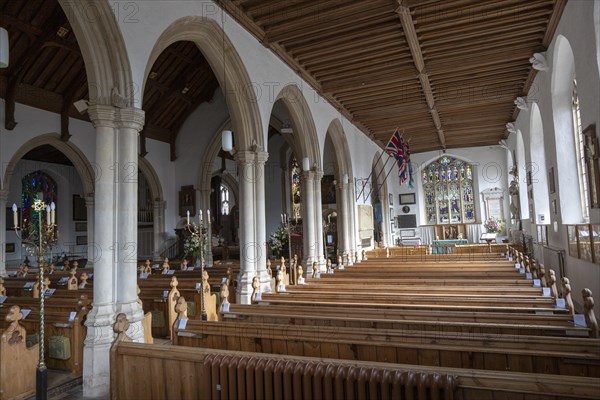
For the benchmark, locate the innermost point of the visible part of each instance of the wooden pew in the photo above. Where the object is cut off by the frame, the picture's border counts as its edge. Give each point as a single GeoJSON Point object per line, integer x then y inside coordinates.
{"type": "Point", "coordinates": [63, 318]}
{"type": "Point", "coordinates": [534, 354]}
{"type": "Point", "coordinates": [459, 321]}
{"type": "Point", "coordinates": [185, 372]}
{"type": "Point", "coordinates": [17, 363]}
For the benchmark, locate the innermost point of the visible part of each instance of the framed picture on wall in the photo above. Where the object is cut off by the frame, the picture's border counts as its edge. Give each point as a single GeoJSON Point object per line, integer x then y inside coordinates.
{"type": "Point", "coordinates": [187, 201]}
{"type": "Point", "coordinates": [81, 240]}
{"type": "Point", "coordinates": [79, 208]}
{"type": "Point", "coordinates": [554, 208]}
{"type": "Point", "coordinates": [391, 197]}
{"type": "Point", "coordinates": [10, 247]}
{"type": "Point", "coordinates": [551, 185]}
{"type": "Point", "coordinates": [80, 226]}
{"type": "Point", "coordinates": [407, 198]}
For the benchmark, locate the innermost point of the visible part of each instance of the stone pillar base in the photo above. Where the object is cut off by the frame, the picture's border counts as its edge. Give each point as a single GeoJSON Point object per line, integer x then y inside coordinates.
{"type": "Point", "coordinates": [96, 351]}
{"type": "Point", "coordinates": [244, 289]}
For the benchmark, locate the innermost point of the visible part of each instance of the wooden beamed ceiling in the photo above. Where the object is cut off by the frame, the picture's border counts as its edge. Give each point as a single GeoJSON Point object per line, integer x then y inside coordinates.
{"type": "Point", "coordinates": [446, 73]}
{"type": "Point", "coordinates": [47, 71]}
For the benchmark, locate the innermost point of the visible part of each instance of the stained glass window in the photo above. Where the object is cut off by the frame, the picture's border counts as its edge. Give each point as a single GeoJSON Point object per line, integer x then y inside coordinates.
{"type": "Point", "coordinates": [36, 185]}
{"type": "Point", "coordinates": [448, 188]}
{"type": "Point", "coordinates": [295, 190]}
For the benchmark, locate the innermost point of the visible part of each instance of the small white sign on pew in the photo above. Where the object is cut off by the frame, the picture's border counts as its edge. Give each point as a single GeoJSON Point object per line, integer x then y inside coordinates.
{"type": "Point", "coordinates": [517, 265]}
{"type": "Point", "coordinates": [528, 276]}
{"type": "Point", "coordinates": [560, 303]}
{"type": "Point", "coordinates": [301, 281]}
{"type": "Point", "coordinates": [546, 292]}
{"type": "Point", "coordinates": [258, 296]}
{"type": "Point", "coordinates": [49, 292]}
{"type": "Point", "coordinates": [182, 324]}
{"type": "Point", "coordinates": [72, 316]}
{"type": "Point", "coordinates": [226, 307]}
{"type": "Point", "coordinates": [165, 293]}
{"type": "Point", "coordinates": [28, 285]}
{"type": "Point", "coordinates": [144, 275]}
{"type": "Point", "coordinates": [25, 312]}
{"type": "Point", "coordinates": [537, 283]}
{"type": "Point", "coordinates": [579, 320]}
{"type": "Point", "coordinates": [2, 299]}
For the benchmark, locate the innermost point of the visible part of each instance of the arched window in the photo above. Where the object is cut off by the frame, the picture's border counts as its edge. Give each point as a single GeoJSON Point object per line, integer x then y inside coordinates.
{"type": "Point", "coordinates": [448, 187]}
{"type": "Point", "coordinates": [224, 197]}
{"type": "Point", "coordinates": [36, 185]}
{"type": "Point", "coordinates": [580, 154]}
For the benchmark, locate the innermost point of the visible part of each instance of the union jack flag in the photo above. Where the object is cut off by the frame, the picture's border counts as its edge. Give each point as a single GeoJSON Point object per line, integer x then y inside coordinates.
{"type": "Point", "coordinates": [400, 149]}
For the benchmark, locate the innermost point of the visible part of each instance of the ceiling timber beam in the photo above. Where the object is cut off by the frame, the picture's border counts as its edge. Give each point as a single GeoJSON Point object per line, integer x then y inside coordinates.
{"type": "Point", "coordinates": [415, 49]}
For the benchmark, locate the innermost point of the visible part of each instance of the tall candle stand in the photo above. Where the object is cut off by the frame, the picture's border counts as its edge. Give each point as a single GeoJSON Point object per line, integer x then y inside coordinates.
{"type": "Point", "coordinates": [287, 225]}
{"type": "Point", "coordinates": [200, 232]}
{"type": "Point", "coordinates": [46, 236]}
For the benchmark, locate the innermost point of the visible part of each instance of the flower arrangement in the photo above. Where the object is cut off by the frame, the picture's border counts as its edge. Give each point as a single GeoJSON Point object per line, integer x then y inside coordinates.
{"type": "Point", "coordinates": [494, 225]}
{"type": "Point", "coordinates": [191, 244]}
{"type": "Point", "coordinates": [278, 242]}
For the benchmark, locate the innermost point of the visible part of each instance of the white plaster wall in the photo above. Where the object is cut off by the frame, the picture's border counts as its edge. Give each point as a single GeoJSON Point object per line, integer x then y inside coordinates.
{"type": "Point", "coordinates": [159, 157]}
{"type": "Point", "coordinates": [577, 25]}
{"type": "Point", "coordinates": [32, 122]}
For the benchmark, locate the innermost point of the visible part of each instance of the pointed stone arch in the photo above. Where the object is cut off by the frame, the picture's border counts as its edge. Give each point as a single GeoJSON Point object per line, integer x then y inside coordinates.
{"type": "Point", "coordinates": [305, 139]}
{"type": "Point", "coordinates": [73, 153]}
{"type": "Point", "coordinates": [343, 166]}
{"type": "Point", "coordinates": [104, 53]}
{"type": "Point", "coordinates": [229, 69]}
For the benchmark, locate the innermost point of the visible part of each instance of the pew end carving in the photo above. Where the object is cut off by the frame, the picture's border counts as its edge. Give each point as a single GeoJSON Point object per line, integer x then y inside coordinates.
{"type": "Point", "coordinates": [588, 308]}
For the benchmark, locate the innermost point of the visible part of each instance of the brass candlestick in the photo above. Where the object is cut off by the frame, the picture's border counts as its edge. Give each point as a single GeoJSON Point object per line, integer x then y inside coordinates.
{"type": "Point", "coordinates": [46, 235]}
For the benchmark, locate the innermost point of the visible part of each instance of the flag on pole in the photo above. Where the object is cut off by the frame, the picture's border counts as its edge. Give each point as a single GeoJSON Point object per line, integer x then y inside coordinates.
{"type": "Point", "coordinates": [400, 149]}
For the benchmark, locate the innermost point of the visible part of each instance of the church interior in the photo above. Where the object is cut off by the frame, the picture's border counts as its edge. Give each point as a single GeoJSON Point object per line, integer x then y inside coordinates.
{"type": "Point", "coordinates": [221, 199]}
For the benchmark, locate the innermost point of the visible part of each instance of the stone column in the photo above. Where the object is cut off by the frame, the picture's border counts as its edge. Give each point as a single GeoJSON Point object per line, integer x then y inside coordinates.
{"type": "Point", "coordinates": [130, 122]}
{"type": "Point", "coordinates": [346, 218]}
{"type": "Point", "coordinates": [261, 158]}
{"type": "Point", "coordinates": [246, 161]}
{"type": "Point", "coordinates": [340, 221]}
{"type": "Point", "coordinates": [92, 252]}
{"type": "Point", "coordinates": [3, 224]}
{"type": "Point", "coordinates": [96, 372]}
{"type": "Point", "coordinates": [320, 249]}
{"type": "Point", "coordinates": [351, 206]}
{"type": "Point", "coordinates": [308, 206]}
{"type": "Point", "coordinates": [159, 226]}
{"type": "Point", "coordinates": [204, 198]}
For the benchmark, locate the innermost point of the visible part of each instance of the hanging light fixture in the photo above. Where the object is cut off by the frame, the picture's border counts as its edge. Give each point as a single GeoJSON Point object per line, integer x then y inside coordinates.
{"type": "Point", "coordinates": [3, 48]}
{"type": "Point", "coordinates": [227, 140]}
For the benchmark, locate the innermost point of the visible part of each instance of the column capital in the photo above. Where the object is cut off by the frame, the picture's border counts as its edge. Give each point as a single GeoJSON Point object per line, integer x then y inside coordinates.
{"type": "Point", "coordinates": [307, 175]}
{"type": "Point", "coordinates": [103, 116]}
{"type": "Point", "coordinates": [113, 117]}
{"type": "Point", "coordinates": [341, 186]}
{"type": "Point", "coordinates": [89, 200]}
{"type": "Point", "coordinates": [132, 118]}
{"type": "Point", "coordinates": [319, 174]}
{"type": "Point", "coordinates": [244, 157]}
{"type": "Point", "coordinates": [262, 157]}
